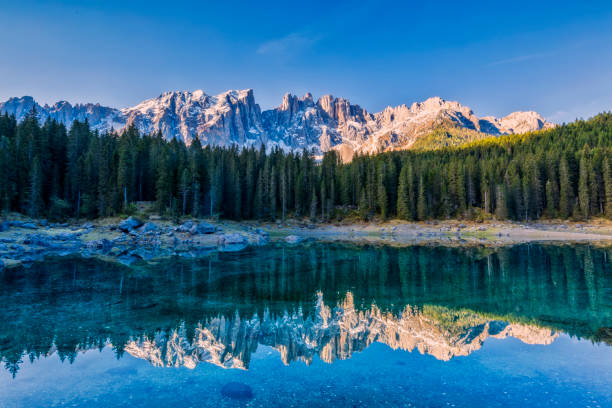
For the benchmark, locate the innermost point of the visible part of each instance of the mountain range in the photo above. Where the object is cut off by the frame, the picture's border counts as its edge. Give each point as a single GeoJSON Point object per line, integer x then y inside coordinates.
{"type": "Point", "coordinates": [332, 333]}
{"type": "Point", "coordinates": [234, 118]}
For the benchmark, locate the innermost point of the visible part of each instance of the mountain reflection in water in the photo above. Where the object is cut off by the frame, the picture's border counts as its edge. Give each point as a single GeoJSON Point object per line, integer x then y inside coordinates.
{"type": "Point", "coordinates": [324, 300]}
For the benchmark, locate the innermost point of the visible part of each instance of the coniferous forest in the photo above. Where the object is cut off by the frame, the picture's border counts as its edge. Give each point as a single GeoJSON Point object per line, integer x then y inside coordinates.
{"type": "Point", "coordinates": [49, 171]}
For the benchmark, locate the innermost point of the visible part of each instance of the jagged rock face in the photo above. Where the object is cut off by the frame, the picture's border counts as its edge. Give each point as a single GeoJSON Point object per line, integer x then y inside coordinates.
{"type": "Point", "coordinates": [332, 334]}
{"type": "Point", "coordinates": [229, 118]}
{"type": "Point", "coordinates": [100, 118]}
{"type": "Point", "coordinates": [233, 118]}
{"type": "Point", "coordinates": [300, 123]}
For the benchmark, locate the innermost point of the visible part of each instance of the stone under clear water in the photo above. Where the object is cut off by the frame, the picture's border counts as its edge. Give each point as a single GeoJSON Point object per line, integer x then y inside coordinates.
{"type": "Point", "coordinates": [313, 325]}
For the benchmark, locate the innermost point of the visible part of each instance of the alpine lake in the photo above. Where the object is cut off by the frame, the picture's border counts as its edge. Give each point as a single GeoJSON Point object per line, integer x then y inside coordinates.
{"type": "Point", "coordinates": [315, 325]}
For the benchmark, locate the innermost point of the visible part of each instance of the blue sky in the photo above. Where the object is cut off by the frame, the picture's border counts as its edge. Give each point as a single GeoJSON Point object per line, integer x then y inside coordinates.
{"type": "Point", "coordinates": [496, 57]}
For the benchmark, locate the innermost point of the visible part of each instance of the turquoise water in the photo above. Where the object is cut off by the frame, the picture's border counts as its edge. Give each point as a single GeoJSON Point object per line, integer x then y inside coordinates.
{"type": "Point", "coordinates": [315, 325]}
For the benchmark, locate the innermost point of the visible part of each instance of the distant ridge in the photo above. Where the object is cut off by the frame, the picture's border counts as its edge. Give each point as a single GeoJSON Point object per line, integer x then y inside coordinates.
{"type": "Point", "coordinates": [234, 118]}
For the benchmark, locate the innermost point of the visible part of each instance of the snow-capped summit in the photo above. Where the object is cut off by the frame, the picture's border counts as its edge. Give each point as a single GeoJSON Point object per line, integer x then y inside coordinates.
{"type": "Point", "coordinates": [234, 118]}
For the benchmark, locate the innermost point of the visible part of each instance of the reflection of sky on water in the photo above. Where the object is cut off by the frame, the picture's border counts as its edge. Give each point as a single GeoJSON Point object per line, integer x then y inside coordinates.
{"type": "Point", "coordinates": [507, 372]}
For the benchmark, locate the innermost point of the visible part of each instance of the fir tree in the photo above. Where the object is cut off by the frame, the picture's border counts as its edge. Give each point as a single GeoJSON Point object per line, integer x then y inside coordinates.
{"type": "Point", "coordinates": [35, 201]}
{"type": "Point", "coordinates": [501, 205]}
{"type": "Point", "coordinates": [607, 176]}
{"type": "Point", "coordinates": [403, 195]}
{"type": "Point", "coordinates": [364, 207]}
{"type": "Point", "coordinates": [583, 188]}
{"type": "Point", "coordinates": [565, 190]}
{"type": "Point", "coordinates": [421, 200]}
{"type": "Point", "coordinates": [185, 186]}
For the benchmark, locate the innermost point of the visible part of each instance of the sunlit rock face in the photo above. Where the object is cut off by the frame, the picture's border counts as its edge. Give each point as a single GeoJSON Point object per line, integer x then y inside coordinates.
{"type": "Point", "coordinates": [234, 118]}
{"type": "Point", "coordinates": [230, 118]}
{"type": "Point", "coordinates": [332, 334]}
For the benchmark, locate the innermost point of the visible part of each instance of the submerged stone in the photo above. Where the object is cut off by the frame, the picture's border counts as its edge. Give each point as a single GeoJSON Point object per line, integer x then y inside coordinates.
{"type": "Point", "coordinates": [237, 390]}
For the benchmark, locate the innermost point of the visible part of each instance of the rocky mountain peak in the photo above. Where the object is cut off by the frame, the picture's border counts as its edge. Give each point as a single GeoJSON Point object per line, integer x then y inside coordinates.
{"type": "Point", "coordinates": [234, 118]}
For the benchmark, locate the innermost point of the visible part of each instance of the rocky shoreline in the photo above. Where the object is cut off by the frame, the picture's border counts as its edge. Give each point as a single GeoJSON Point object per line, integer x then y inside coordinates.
{"type": "Point", "coordinates": [126, 242]}
{"type": "Point", "coordinates": [132, 239]}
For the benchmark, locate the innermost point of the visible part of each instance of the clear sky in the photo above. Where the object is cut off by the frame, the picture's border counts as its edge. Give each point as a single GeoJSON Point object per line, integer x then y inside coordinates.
{"type": "Point", "coordinates": [554, 57]}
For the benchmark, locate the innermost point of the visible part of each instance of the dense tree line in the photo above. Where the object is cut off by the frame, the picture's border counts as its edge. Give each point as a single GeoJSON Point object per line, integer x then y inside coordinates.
{"type": "Point", "coordinates": [48, 170]}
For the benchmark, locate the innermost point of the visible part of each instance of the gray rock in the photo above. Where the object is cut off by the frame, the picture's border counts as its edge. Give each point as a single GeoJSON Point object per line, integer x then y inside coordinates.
{"type": "Point", "coordinates": [232, 239]}
{"type": "Point", "coordinates": [66, 236]}
{"type": "Point", "coordinates": [202, 228]}
{"type": "Point", "coordinates": [87, 225]}
{"type": "Point", "coordinates": [129, 224]}
{"type": "Point", "coordinates": [37, 240]}
{"type": "Point", "coordinates": [293, 239]}
{"type": "Point", "coordinates": [262, 237]}
{"type": "Point", "coordinates": [149, 227]}
{"type": "Point", "coordinates": [100, 244]}
{"type": "Point", "coordinates": [186, 226]}
{"type": "Point", "coordinates": [26, 225]}
{"type": "Point", "coordinates": [4, 226]}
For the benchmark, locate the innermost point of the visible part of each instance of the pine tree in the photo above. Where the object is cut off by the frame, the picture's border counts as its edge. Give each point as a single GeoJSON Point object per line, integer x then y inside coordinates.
{"type": "Point", "coordinates": [163, 194]}
{"type": "Point", "coordinates": [403, 195]}
{"type": "Point", "coordinates": [421, 200]}
{"type": "Point", "coordinates": [550, 199]}
{"type": "Point", "coordinates": [185, 186]}
{"type": "Point", "coordinates": [237, 190]}
{"type": "Point", "coordinates": [364, 208]}
{"type": "Point", "coordinates": [283, 193]}
{"type": "Point", "coordinates": [272, 194]}
{"type": "Point", "coordinates": [313, 206]}
{"type": "Point", "coordinates": [35, 201]}
{"type": "Point", "coordinates": [259, 197]}
{"type": "Point", "coordinates": [565, 190]}
{"type": "Point", "coordinates": [501, 205]}
{"type": "Point", "coordinates": [583, 188]}
{"type": "Point", "coordinates": [383, 201]}
{"type": "Point", "coordinates": [7, 187]}
{"type": "Point", "coordinates": [607, 176]}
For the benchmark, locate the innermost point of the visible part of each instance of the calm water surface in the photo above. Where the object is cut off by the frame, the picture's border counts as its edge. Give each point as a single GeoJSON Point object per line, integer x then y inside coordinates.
{"type": "Point", "coordinates": [315, 325]}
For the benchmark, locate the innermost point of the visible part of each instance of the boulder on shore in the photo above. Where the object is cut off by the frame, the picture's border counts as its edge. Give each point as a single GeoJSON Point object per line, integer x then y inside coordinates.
{"type": "Point", "coordinates": [202, 228]}
{"type": "Point", "coordinates": [293, 239]}
{"type": "Point", "coordinates": [232, 239]}
{"type": "Point", "coordinates": [129, 224]}
{"type": "Point", "coordinates": [149, 227]}
{"type": "Point", "coordinates": [21, 224]}
{"type": "Point", "coordinates": [186, 226]}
